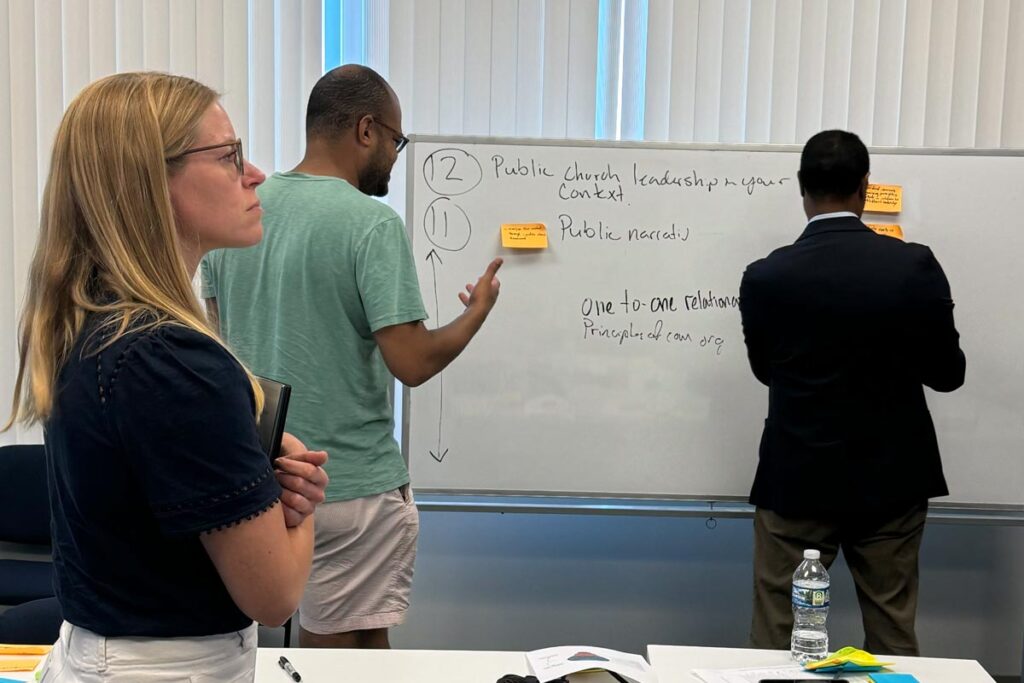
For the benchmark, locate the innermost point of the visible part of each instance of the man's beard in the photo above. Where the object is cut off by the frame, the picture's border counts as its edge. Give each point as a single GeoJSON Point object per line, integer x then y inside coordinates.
{"type": "Point", "coordinates": [373, 180]}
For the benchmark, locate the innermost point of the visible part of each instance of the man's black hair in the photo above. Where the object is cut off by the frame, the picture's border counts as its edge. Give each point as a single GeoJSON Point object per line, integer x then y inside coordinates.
{"type": "Point", "coordinates": [344, 95]}
{"type": "Point", "coordinates": [833, 164]}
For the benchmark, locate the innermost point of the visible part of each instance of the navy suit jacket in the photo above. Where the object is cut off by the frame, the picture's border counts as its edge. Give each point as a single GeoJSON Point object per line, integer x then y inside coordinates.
{"type": "Point", "coordinates": [846, 327]}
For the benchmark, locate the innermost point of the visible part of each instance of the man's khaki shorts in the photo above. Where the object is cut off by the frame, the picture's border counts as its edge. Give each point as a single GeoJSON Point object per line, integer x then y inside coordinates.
{"type": "Point", "coordinates": [362, 564]}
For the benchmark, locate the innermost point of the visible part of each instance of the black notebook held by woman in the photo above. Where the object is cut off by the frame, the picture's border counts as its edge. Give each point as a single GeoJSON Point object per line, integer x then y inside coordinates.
{"type": "Point", "coordinates": [271, 422]}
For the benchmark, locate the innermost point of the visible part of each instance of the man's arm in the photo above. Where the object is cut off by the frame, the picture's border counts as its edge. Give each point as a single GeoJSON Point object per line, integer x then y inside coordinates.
{"type": "Point", "coordinates": [414, 353]}
{"type": "Point", "coordinates": [757, 353]}
{"type": "Point", "coordinates": [941, 363]}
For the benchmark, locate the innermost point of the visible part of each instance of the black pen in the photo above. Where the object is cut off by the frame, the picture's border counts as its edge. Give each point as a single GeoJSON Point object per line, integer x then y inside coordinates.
{"type": "Point", "coordinates": [288, 668]}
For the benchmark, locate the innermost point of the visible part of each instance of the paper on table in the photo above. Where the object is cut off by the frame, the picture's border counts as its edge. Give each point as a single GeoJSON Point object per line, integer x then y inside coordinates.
{"type": "Point", "coordinates": [555, 662]}
{"type": "Point", "coordinates": [760, 673]}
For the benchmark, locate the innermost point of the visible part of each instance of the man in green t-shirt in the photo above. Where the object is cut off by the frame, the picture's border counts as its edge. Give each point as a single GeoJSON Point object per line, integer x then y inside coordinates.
{"type": "Point", "coordinates": [329, 303]}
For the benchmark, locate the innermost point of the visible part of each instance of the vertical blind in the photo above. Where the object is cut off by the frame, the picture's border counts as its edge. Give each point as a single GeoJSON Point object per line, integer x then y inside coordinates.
{"type": "Point", "coordinates": [897, 72]}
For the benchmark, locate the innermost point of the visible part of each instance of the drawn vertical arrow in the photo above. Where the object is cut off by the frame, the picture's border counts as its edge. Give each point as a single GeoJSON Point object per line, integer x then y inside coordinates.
{"type": "Point", "coordinates": [437, 455]}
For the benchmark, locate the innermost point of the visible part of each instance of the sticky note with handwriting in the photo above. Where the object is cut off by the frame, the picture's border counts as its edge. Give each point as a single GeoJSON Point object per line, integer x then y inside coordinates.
{"type": "Point", "coordinates": [524, 236]}
{"type": "Point", "coordinates": [884, 198]}
{"type": "Point", "coordinates": [887, 229]}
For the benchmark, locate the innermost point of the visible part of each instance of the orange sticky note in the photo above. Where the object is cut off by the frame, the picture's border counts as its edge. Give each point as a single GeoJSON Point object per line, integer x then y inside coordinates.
{"type": "Point", "coordinates": [524, 236]}
{"type": "Point", "coordinates": [884, 198]}
{"type": "Point", "coordinates": [887, 229]}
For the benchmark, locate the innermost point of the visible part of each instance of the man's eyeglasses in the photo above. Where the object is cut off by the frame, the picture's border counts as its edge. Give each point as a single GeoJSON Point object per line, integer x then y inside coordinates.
{"type": "Point", "coordinates": [237, 144]}
{"type": "Point", "coordinates": [400, 140]}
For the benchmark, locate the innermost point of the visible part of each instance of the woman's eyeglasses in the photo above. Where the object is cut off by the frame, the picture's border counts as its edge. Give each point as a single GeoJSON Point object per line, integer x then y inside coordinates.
{"type": "Point", "coordinates": [237, 144]}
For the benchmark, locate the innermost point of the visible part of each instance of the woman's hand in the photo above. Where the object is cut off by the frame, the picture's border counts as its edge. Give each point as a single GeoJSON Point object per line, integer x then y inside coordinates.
{"type": "Point", "coordinates": [300, 473]}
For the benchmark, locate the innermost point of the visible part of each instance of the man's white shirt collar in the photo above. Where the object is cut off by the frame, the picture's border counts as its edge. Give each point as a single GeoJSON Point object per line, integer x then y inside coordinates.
{"type": "Point", "coordinates": [834, 214]}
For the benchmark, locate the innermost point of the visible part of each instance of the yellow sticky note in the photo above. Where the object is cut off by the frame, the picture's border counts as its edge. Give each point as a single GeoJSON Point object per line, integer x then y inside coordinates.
{"type": "Point", "coordinates": [11, 664]}
{"type": "Point", "coordinates": [524, 236]}
{"type": "Point", "coordinates": [887, 229]}
{"type": "Point", "coordinates": [884, 198]}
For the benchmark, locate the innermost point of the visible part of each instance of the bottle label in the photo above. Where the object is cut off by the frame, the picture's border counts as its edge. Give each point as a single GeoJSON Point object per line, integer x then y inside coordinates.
{"type": "Point", "coordinates": [810, 597]}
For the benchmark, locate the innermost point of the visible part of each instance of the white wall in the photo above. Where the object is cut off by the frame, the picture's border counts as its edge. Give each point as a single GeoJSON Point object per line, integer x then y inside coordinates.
{"type": "Point", "coordinates": [898, 72]}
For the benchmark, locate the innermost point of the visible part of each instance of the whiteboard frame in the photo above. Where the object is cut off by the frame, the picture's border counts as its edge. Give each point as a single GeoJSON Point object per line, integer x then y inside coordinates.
{"type": "Point", "coordinates": [429, 500]}
{"type": "Point", "coordinates": [596, 502]}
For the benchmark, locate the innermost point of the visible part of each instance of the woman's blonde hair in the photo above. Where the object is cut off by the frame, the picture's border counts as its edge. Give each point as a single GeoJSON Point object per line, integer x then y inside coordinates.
{"type": "Point", "coordinates": [107, 241]}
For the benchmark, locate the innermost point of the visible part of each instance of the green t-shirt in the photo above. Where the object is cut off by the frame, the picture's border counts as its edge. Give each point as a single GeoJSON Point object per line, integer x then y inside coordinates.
{"type": "Point", "coordinates": [301, 307]}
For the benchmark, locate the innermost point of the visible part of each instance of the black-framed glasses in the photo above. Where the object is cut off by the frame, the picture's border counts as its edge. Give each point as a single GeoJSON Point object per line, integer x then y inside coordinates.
{"type": "Point", "coordinates": [400, 140]}
{"type": "Point", "coordinates": [236, 143]}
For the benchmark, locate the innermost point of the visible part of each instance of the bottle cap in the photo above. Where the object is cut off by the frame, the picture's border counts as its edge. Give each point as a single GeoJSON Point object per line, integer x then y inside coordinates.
{"type": "Point", "coordinates": [812, 554]}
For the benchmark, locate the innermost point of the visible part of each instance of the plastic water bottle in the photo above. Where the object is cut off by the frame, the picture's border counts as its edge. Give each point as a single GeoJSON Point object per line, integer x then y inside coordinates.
{"type": "Point", "coordinates": [810, 609]}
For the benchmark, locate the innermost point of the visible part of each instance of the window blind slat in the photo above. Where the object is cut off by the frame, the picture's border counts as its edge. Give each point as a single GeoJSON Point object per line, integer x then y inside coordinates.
{"type": "Point", "coordinates": [657, 80]}
{"type": "Point", "coordinates": [810, 86]}
{"type": "Point", "coordinates": [102, 38]}
{"type": "Point", "coordinates": [992, 72]}
{"type": "Point", "coordinates": [74, 18]}
{"type": "Point", "coordinates": [963, 116]}
{"type": "Point", "coordinates": [1013, 102]}
{"type": "Point", "coordinates": [582, 68]}
{"type": "Point", "coordinates": [708, 85]}
{"type": "Point", "coordinates": [182, 43]}
{"type": "Point", "coordinates": [836, 76]}
{"type": "Point", "coordinates": [130, 31]}
{"type": "Point", "coordinates": [287, 84]}
{"type": "Point", "coordinates": [761, 42]}
{"type": "Point", "coordinates": [912, 101]}
{"type": "Point", "coordinates": [554, 114]}
{"type": "Point", "coordinates": [262, 104]}
{"type": "Point", "coordinates": [941, 53]}
{"type": "Point", "coordinates": [732, 111]}
{"type": "Point", "coordinates": [503, 59]}
{"type": "Point", "coordinates": [477, 102]}
{"type": "Point", "coordinates": [529, 91]}
{"type": "Point", "coordinates": [453, 66]}
{"type": "Point", "coordinates": [863, 66]}
{"type": "Point", "coordinates": [785, 71]}
{"type": "Point", "coordinates": [426, 81]}
{"type": "Point", "coordinates": [236, 67]}
{"type": "Point", "coordinates": [683, 76]}
{"type": "Point", "coordinates": [156, 42]}
{"type": "Point", "coordinates": [889, 73]}
{"type": "Point", "coordinates": [210, 46]}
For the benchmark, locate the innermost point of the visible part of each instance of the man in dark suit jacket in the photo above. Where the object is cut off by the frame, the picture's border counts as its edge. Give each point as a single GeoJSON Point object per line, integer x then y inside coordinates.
{"type": "Point", "coordinates": [846, 327]}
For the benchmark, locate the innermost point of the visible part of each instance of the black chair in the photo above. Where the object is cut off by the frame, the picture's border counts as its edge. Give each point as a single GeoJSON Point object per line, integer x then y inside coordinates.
{"type": "Point", "coordinates": [36, 622]}
{"type": "Point", "coordinates": [24, 520]}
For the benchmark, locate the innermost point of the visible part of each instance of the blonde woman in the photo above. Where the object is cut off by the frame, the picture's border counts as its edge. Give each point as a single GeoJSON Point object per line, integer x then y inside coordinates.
{"type": "Point", "coordinates": [168, 520]}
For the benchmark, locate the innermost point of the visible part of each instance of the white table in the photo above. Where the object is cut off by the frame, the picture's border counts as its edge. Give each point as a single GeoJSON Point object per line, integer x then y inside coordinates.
{"type": "Point", "coordinates": [389, 666]}
{"type": "Point", "coordinates": [674, 664]}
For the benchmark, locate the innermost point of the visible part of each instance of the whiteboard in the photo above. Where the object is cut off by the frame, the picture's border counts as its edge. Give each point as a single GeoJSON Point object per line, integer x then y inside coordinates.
{"type": "Point", "coordinates": [613, 364]}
